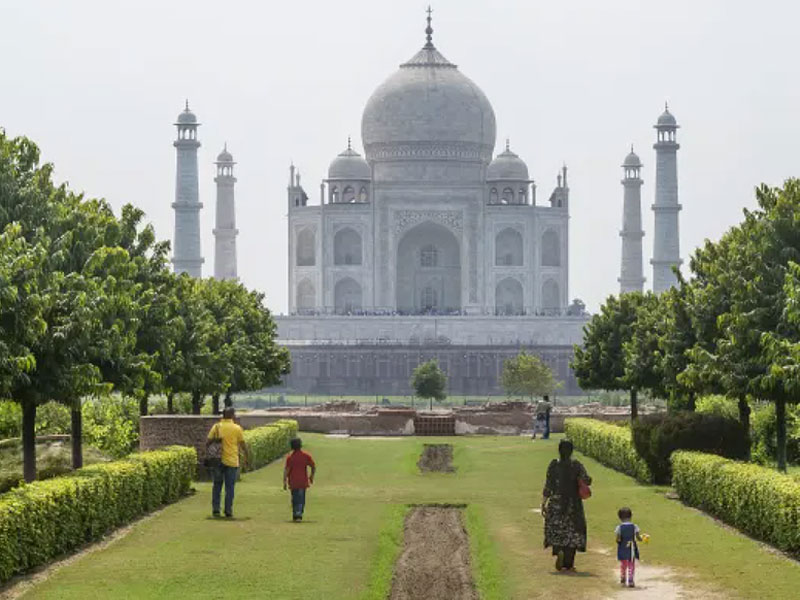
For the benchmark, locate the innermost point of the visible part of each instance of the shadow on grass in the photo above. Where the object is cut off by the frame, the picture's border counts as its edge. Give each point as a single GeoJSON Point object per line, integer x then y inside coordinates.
{"type": "Point", "coordinates": [228, 519]}
{"type": "Point", "coordinates": [567, 574]}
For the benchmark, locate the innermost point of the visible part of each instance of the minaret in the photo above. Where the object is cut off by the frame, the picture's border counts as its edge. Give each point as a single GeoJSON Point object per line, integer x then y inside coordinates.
{"type": "Point", "coordinates": [186, 255]}
{"type": "Point", "coordinates": [666, 242]}
{"type": "Point", "coordinates": [225, 231]}
{"type": "Point", "coordinates": [631, 276]}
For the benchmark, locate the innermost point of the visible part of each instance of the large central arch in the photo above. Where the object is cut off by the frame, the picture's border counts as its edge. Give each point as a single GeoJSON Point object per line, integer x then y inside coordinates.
{"type": "Point", "coordinates": [428, 270]}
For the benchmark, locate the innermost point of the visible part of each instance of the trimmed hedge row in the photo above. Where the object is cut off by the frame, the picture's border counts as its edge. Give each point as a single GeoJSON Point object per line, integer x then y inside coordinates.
{"type": "Point", "coordinates": [608, 444]}
{"type": "Point", "coordinates": [754, 499]}
{"type": "Point", "coordinates": [269, 442]}
{"type": "Point", "coordinates": [45, 519]}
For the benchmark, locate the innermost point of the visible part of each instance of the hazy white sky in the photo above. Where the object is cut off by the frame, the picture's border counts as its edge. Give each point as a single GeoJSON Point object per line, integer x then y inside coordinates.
{"type": "Point", "coordinates": [98, 84]}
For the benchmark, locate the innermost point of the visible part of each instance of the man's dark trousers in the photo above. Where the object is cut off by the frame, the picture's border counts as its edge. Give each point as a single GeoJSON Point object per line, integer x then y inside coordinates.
{"type": "Point", "coordinates": [227, 475]}
{"type": "Point", "coordinates": [298, 502]}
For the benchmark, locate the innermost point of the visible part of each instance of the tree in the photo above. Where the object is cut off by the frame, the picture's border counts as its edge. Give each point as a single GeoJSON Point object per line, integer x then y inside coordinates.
{"type": "Point", "coordinates": [429, 382]}
{"type": "Point", "coordinates": [643, 357]}
{"type": "Point", "coordinates": [600, 362]}
{"type": "Point", "coordinates": [527, 375]}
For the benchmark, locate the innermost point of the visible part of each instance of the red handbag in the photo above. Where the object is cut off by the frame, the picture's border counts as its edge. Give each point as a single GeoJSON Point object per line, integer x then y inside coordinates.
{"type": "Point", "coordinates": [584, 491]}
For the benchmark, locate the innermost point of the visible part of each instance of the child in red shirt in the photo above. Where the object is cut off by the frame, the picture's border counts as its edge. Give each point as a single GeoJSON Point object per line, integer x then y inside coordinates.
{"type": "Point", "coordinates": [295, 475]}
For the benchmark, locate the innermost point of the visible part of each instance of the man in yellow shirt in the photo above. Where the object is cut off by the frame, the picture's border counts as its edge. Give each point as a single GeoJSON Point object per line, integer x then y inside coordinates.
{"type": "Point", "coordinates": [231, 440]}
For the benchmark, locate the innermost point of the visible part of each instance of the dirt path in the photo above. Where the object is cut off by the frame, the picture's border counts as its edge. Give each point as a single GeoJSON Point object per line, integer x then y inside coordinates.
{"type": "Point", "coordinates": [437, 457]}
{"type": "Point", "coordinates": [434, 564]}
{"type": "Point", "coordinates": [661, 583]}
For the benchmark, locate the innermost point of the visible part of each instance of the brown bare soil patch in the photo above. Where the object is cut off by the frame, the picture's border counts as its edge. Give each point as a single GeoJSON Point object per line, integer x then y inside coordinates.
{"type": "Point", "coordinates": [435, 562]}
{"type": "Point", "coordinates": [436, 457]}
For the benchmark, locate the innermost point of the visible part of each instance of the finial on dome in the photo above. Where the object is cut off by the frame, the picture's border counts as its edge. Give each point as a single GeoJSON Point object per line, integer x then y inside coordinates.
{"type": "Point", "coordinates": [225, 147]}
{"type": "Point", "coordinates": [349, 147]}
{"type": "Point", "coordinates": [666, 106]}
{"type": "Point", "coordinates": [508, 144]}
{"type": "Point", "coordinates": [631, 148]}
{"type": "Point", "coordinates": [187, 104]}
{"type": "Point", "coordinates": [429, 30]}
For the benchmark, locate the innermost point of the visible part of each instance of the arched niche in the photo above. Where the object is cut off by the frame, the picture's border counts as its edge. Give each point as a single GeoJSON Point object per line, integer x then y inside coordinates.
{"type": "Point", "coordinates": [305, 249]}
{"type": "Point", "coordinates": [428, 269]}
{"type": "Point", "coordinates": [508, 248]}
{"type": "Point", "coordinates": [305, 297]}
{"type": "Point", "coordinates": [551, 249]}
{"type": "Point", "coordinates": [550, 295]}
{"type": "Point", "coordinates": [347, 296]}
{"type": "Point", "coordinates": [509, 298]}
{"type": "Point", "coordinates": [347, 247]}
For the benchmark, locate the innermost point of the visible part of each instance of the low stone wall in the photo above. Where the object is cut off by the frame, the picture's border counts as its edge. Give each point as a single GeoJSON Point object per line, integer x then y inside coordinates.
{"type": "Point", "coordinates": [191, 430]}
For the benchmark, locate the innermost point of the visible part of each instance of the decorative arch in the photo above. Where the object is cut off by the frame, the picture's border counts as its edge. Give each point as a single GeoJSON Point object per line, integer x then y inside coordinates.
{"type": "Point", "coordinates": [334, 194]}
{"type": "Point", "coordinates": [509, 298]}
{"type": "Point", "coordinates": [493, 197]}
{"type": "Point", "coordinates": [550, 295]}
{"type": "Point", "coordinates": [305, 296]}
{"type": "Point", "coordinates": [347, 247]}
{"type": "Point", "coordinates": [551, 249]}
{"type": "Point", "coordinates": [363, 195]}
{"type": "Point", "coordinates": [349, 195]}
{"type": "Point", "coordinates": [347, 296]}
{"type": "Point", "coordinates": [305, 249]}
{"type": "Point", "coordinates": [508, 196]}
{"type": "Point", "coordinates": [428, 270]}
{"type": "Point", "coordinates": [508, 248]}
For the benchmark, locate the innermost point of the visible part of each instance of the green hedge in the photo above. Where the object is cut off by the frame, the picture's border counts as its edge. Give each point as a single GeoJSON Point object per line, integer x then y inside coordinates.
{"type": "Point", "coordinates": [269, 442]}
{"type": "Point", "coordinates": [45, 519]}
{"type": "Point", "coordinates": [757, 500]}
{"type": "Point", "coordinates": [656, 437]}
{"type": "Point", "coordinates": [608, 444]}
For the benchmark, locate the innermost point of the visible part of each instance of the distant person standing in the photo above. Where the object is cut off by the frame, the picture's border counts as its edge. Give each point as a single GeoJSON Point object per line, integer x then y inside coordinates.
{"type": "Point", "coordinates": [230, 438]}
{"type": "Point", "coordinates": [296, 477]}
{"type": "Point", "coordinates": [547, 410]}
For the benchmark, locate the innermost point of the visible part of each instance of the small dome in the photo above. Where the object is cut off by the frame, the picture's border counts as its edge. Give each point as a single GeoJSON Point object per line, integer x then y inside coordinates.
{"type": "Point", "coordinates": [187, 117]}
{"type": "Point", "coordinates": [667, 119]}
{"type": "Point", "coordinates": [632, 160]}
{"type": "Point", "coordinates": [349, 165]}
{"type": "Point", "coordinates": [507, 165]}
{"type": "Point", "coordinates": [225, 156]}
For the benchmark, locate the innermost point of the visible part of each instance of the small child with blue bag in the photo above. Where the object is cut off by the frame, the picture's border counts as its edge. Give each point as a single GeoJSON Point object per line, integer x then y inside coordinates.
{"type": "Point", "coordinates": [628, 535]}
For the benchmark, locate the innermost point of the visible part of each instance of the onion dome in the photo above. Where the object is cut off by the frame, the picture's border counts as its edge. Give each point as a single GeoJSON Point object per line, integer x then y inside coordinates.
{"type": "Point", "coordinates": [428, 109]}
{"type": "Point", "coordinates": [187, 117]}
{"type": "Point", "coordinates": [225, 156]}
{"type": "Point", "coordinates": [667, 119]}
{"type": "Point", "coordinates": [349, 165]}
{"type": "Point", "coordinates": [507, 165]}
{"type": "Point", "coordinates": [632, 160]}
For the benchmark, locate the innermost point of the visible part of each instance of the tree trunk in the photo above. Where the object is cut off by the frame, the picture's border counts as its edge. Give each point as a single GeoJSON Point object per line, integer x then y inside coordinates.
{"type": "Point", "coordinates": [77, 436]}
{"type": "Point", "coordinates": [229, 399]}
{"type": "Point", "coordinates": [780, 416]}
{"type": "Point", "coordinates": [215, 404]}
{"type": "Point", "coordinates": [691, 402]}
{"type": "Point", "coordinates": [170, 407]}
{"type": "Point", "coordinates": [29, 440]}
{"type": "Point", "coordinates": [197, 399]}
{"type": "Point", "coordinates": [144, 406]}
{"type": "Point", "coordinates": [634, 404]}
{"type": "Point", "coordinates": [744, 413]}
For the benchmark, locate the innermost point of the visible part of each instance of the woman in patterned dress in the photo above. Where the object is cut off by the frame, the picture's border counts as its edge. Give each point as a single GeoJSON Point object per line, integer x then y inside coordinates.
{"type": "Point", "coordinates": [562, 507]}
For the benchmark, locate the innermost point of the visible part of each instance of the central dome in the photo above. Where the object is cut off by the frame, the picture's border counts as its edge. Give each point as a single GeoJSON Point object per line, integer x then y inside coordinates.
{"type": "Point", "coordinates": [428, 110]}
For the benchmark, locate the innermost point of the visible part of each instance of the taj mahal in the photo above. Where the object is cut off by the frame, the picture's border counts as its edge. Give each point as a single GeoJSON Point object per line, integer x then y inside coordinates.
{"type": "Point", "coordinates": [428, 245]}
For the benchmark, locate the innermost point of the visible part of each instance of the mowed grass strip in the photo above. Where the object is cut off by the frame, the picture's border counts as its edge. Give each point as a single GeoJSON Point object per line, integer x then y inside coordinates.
{"type": "Point", "coordinates": [342, 551]}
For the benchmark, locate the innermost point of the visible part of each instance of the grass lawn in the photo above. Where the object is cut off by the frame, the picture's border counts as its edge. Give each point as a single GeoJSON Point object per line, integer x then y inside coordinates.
{"type": "Point", "coordinates": [345, 548]}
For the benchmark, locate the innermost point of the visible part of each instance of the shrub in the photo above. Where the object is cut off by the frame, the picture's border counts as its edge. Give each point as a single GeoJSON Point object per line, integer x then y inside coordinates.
{"type": "Point", "coordinates": [609, 444]}
{"type": "Point", "coordinates": [45, 519]}
{"type": "Point", "coordinates": [757, 500]}
{"type": "Point", "coordinates": [656, 437]}
{"type": "Point", "coordinates": [111, 424]}
{"type": "Point", "coordinates": [269, 442]}
{"type": "Point", "coordinates": [716, 404]}
{"type": "Point", "coordinates": [764, 430]}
